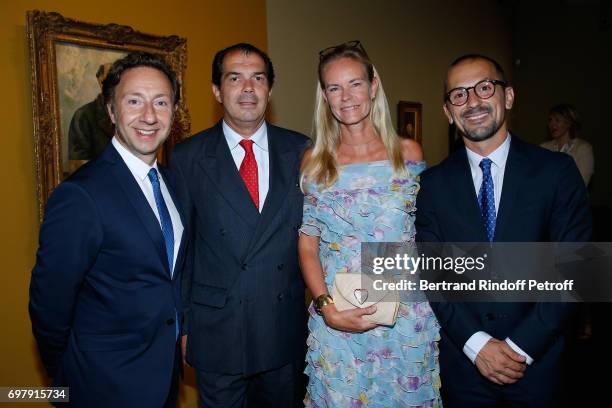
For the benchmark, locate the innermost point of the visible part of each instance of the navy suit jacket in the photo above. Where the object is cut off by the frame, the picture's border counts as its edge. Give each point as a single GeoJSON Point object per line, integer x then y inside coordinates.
{"type": "Point", "coordinates": [242, 286]}
{"type": "Point", "coordinates": [543, 200]}
{"type": "Point", "coordinates": [102, 302]}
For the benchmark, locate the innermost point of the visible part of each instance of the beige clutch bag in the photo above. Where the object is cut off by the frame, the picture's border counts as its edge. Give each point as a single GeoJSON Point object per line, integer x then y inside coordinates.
{"type": "Point", "coordinates": [355, 290]}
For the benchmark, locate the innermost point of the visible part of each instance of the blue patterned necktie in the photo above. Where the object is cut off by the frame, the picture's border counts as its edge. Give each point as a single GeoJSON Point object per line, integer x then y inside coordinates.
{"type": "Point", "coordinates": [486, 199]}
{"type": "Point", "coordinates": [164, 216]}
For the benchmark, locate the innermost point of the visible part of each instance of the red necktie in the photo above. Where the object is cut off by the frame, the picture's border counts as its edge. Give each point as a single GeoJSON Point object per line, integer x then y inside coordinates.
{"type": "Point", "coordinates": [248, 171]}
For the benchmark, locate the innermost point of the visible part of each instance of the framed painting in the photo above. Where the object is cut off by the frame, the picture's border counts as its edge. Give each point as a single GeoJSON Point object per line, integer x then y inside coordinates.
{"type": "Point", "coordinates": [69, 60]}
{"type": "Point", "coordinates": [409, 120]}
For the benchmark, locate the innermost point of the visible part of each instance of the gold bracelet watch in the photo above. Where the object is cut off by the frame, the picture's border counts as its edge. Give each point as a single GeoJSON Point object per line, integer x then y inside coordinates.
{"type": "Point", "coordinates": [322, 300]}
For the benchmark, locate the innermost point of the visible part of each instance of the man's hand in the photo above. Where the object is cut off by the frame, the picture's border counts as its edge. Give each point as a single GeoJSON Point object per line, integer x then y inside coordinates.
{"type": "Point", "coordinates": [499, 363]}
{"type": "Point", "coordinates": [184, 349]}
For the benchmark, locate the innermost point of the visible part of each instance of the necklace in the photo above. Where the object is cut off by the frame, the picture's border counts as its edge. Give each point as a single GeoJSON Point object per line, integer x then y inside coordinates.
{"type": "Point", "coordinates": [359, 144]}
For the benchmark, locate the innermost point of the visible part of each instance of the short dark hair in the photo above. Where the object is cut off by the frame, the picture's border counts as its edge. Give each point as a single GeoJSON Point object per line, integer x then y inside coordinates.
{"type": "Point", "coordinates": [246, 49]}
{"type": "Point", "coordinates": [135, 60]}
{"type": "Point", "coordinates": [467, 57]}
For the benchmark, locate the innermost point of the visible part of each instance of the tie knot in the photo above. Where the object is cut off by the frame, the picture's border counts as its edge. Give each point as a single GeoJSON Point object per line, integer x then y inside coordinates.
{"type": "Point", "coordinates": [247, 145]}
{"type": "Point", "coordinates": [153, 175]}
{"type": "Point", "coordinates": [485, 164]}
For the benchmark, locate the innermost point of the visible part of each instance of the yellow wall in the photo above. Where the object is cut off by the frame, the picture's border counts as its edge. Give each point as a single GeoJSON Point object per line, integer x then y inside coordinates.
{"type": "Point", "coordinates": [208, 26]}
{"type": "Point", "coordinates": [410, 42]}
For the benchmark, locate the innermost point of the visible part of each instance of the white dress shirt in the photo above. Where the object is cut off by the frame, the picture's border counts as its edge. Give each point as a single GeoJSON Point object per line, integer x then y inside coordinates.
{"type": "Point", "coordinates": [498, 168]}
{"type": "Point", "coordinates": [260, 150]}
{"type": "Point", "coordinates": [140, 171]}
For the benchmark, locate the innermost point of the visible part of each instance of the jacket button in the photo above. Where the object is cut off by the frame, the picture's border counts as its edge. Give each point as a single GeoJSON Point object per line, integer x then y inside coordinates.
{"type": "Point", "coordinates": [280, 296]}
{"type": "Point", "coordinates": [490, 316]}
{"type": "Point", "coordinates": [244, 267]}
{"type": "Point", "coordinates": [170, 322]}
{"type": "Point", "coordinates": [280, 267]}
{"type": "Point", "coordinates": [222, 231]}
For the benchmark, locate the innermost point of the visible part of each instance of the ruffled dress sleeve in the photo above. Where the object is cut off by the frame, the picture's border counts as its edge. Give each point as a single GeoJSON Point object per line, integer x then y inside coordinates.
{"type": "Point", "coordinates": [311, 221]}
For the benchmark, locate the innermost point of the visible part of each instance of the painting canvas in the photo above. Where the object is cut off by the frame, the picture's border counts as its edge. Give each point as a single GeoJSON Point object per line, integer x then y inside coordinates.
{"type": "Point", "coordinates": [69, 59]}
{"type": "Point", "coordinates": [409, 120]}
{"type": "Point", "coordinates": [80, 72]}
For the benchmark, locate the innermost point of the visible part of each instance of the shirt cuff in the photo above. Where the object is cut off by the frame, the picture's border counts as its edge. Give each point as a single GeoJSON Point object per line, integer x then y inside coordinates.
{"type": "Point", "coordinates": [475, 343]}
{"type": "Point", "coordinates": [516, 348]}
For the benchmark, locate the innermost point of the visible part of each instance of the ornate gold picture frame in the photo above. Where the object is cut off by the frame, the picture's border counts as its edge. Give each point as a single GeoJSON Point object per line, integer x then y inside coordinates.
{"type": "Point", "coordinates": [68, 58]}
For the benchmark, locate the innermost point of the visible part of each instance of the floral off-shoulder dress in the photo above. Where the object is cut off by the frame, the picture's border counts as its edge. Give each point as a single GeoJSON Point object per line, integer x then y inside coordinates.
{"type": "Point", "coordinates": [386, 366]}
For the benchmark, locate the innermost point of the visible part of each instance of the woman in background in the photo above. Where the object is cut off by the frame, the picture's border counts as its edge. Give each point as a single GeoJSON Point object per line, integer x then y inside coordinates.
{"type": "Point", "coordinates": [564, 127]}
{"type": "Point", "coordinates": [361, 182]}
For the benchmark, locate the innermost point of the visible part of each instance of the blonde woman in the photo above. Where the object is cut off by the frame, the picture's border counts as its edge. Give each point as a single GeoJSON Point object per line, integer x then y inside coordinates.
{"type": "Point", "coordinates": [360, 181]}
{"type": "Point", "coordinates": [564, 127]}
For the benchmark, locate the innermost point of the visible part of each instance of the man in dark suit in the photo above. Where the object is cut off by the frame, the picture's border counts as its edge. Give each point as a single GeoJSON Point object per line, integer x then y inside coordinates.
{"type": "Point", "coordinates": [105, 292]}
{"type": "Point", "coordinates": [244, 325]}
{"type": "Point", "coordinates": [500, 189]}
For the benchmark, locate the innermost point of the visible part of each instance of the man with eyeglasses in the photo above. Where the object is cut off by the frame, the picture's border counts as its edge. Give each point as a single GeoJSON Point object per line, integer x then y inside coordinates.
{"type": "Point", "coordinates": [498, 189]}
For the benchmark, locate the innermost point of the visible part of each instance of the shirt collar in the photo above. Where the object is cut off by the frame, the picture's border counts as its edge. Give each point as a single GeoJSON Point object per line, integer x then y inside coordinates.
{"type": "Point", "coordinates": [259, 138]}
{"type": "Point", "coordinates": [498, 156]}
{"type": "Point", "coordinates": [138, 168]}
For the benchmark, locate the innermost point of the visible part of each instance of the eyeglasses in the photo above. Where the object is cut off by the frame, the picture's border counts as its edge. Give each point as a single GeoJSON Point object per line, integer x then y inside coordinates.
{"type": "Point", "coordinates": [483, 89]}
{"type": "Point", "coordinates": [355, 44]}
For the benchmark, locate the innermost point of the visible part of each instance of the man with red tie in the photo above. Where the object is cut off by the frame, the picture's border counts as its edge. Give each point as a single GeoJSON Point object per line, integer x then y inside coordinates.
{"type": "Point", "coordinates": [243, 290]}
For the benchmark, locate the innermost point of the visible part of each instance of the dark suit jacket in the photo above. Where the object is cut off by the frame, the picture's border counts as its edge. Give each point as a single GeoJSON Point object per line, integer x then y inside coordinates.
{"type": "Point", "coordinates": [243, 288]}
{"type": "Point", "coordinates": [543, 200]}
{"type": "Point", "coordinates": [102, 302]}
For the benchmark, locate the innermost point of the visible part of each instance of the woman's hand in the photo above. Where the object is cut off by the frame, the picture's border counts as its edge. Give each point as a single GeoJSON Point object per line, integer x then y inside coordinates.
{"type": "Point", "coordinates": [348, 320]}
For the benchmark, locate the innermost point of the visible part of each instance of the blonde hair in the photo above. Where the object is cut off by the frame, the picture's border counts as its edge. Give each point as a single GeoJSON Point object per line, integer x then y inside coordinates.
{"type": "Point", "coordinates": [569, 113]}
{"type": "Point", "coordinates": [321, 167]}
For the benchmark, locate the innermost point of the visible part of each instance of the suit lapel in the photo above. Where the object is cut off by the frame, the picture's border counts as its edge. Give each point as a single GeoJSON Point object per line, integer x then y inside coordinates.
{"type": "Point", "coordinates": [517, 166]}
{"type": "Point", "coordinates": [217, 163]}
{"type": "Point", "coordinates": [283, 162]}
{"type": "Point", "coordinates": [141, 206]}
{"type": "Point", "coordinates": [464, 196]}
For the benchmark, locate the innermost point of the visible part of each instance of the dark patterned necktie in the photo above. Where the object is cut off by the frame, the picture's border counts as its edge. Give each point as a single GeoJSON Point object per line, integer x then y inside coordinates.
{"type": "Point", "coordinates": [486, 199]}
{"type": "Point", "coordinates": [164, 216]}
{"type": "Point", "coordinates": [167, 231]}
